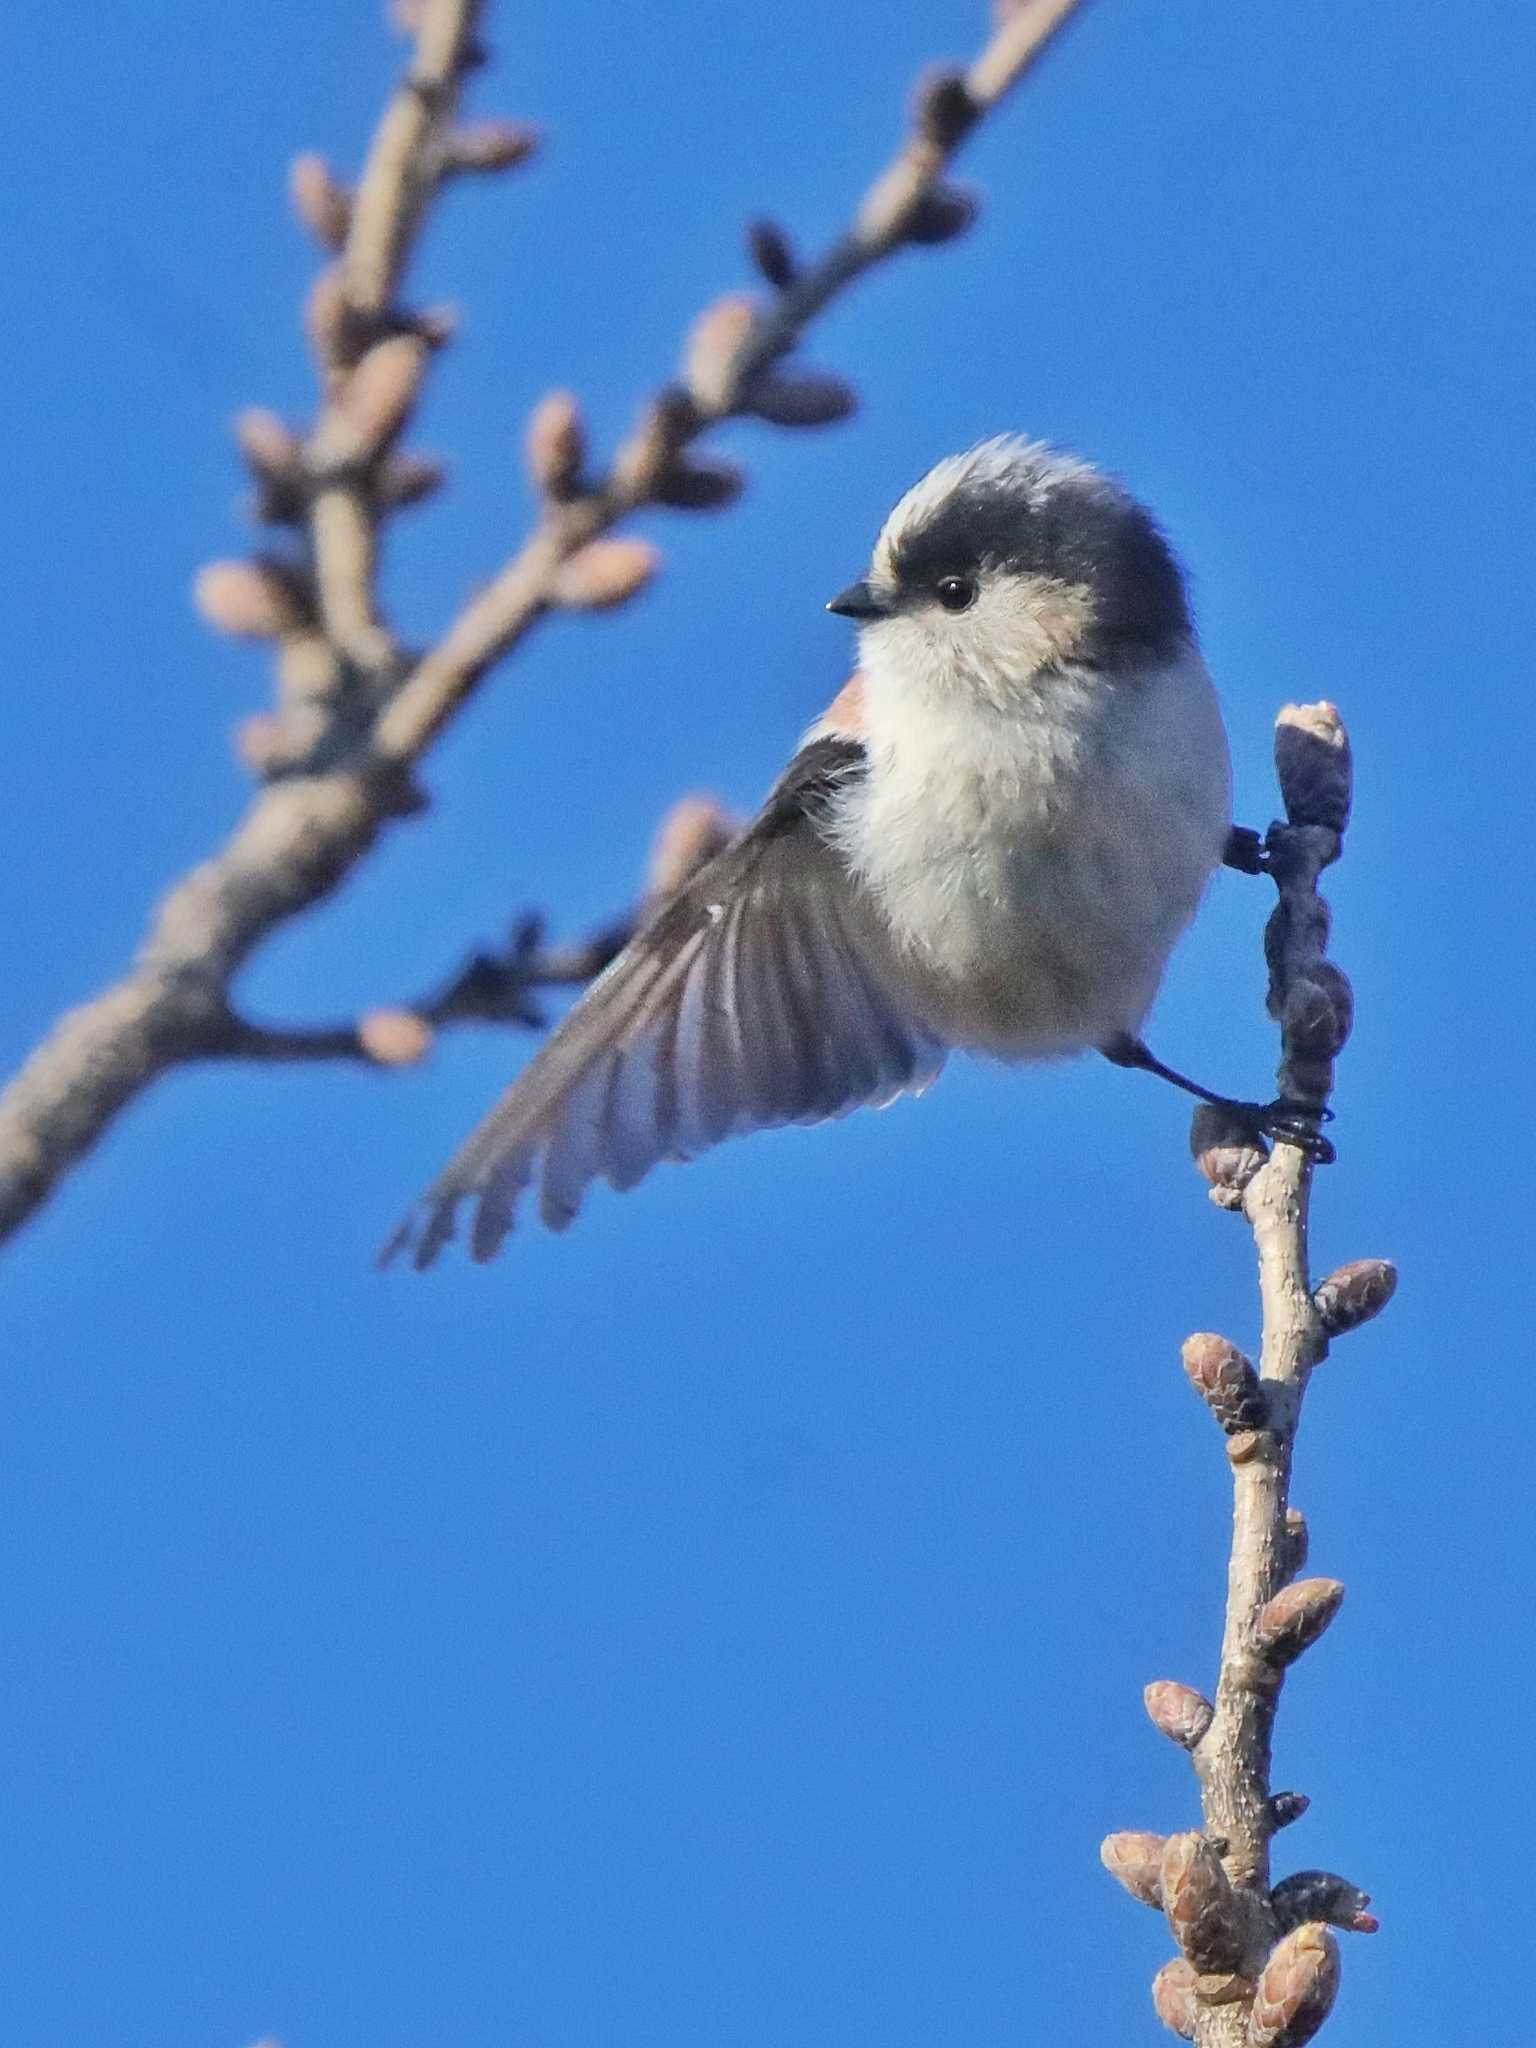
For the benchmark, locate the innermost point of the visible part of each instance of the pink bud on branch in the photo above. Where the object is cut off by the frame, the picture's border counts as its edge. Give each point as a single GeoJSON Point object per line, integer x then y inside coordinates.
{"type": "Point", "coordinates": [1178, 1711]}
{"type": "Point", "coordinates": [1295, 1618]}
{"type": "Point", "coordinates": [257, 600]}
{"type": "Point", "coordinates": [489, 146]}
{"type": "Point", "coordinates": [1173, 1997]}
{"type": "Point", "coordinates": [320, 200]}
{"type": "Point", "coordinates": [1225, 1381]}
{"type": "Point", "coordinates": [1297, 1989]}
{"type": "Point", "coordinates": [1354, 1294]}
{"type": "Point", "coordinates": [557, 445]}
{"type": "Point", "coordinates": [604, 574]}
{"type": "Point", "coordinates": [1135, 1860]}
{"type": "Point", "coordinates": [395, 1038]}
{"type": "Point", "coordinates": [711, 360]}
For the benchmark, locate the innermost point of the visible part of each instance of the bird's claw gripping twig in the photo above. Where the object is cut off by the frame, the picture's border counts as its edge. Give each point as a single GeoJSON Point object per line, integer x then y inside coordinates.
{"type": "Point", "coordinates": [1292, 1123]}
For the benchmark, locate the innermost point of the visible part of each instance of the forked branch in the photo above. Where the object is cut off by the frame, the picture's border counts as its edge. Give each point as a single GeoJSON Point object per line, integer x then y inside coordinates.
{"type": "Point", "coordinates": [356, 710]}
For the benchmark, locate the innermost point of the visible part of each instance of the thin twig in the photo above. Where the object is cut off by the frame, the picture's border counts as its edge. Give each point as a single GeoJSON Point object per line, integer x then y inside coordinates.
{"type": "Point", "coordinates": [355, 714]}
{"type": "Point", "coordinates": [1258, 1966]}
{"type": "Point", "coordinates": [498, 987]}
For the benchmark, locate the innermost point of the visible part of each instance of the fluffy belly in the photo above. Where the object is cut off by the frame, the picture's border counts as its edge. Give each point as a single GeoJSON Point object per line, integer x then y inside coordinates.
{"type": "Point", "coordinates": [1033, 952]}
{"type": "Point", "coordinates": [1036, 871]}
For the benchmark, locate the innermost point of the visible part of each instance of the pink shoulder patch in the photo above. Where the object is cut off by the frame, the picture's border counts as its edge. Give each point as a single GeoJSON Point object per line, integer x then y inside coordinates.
{"type": "Point", "coordinates": [844, 716]}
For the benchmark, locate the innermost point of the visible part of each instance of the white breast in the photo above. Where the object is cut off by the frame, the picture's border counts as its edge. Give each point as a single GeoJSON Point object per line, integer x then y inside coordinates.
{"type": "Point", "coordinates": [1037, 863]}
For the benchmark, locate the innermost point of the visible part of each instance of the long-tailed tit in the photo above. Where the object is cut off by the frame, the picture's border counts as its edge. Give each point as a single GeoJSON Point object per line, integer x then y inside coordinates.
{"type": "Point", "coordinates": [990, 840]}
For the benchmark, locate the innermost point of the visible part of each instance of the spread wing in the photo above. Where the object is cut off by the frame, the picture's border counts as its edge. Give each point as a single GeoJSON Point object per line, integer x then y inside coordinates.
{"type": "Point", "coordinates": [759, 995]}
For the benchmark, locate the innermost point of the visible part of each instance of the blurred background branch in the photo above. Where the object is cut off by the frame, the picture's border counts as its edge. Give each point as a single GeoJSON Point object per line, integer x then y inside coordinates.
{"type": "Point", "coordinates": [356, 710]}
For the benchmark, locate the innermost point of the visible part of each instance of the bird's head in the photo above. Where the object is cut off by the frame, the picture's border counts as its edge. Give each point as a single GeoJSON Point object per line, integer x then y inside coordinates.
{"type": "Point", "coordinates": [1008, 563]}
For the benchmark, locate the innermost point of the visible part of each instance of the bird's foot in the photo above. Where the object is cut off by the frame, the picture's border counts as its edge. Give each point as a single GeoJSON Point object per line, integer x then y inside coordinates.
{"type": "Point", "coordinates": [1291, 1123]}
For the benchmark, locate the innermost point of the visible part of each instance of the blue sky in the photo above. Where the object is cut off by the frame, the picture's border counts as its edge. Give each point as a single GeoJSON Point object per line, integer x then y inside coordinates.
{"type": "Point", "coordinates": [725, 1625]}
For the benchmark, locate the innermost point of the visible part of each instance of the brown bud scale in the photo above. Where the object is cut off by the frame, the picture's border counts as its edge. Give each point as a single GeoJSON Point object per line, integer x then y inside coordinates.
{"type": "Point", "coordinates": [1286, 1808]}
{"type": "Point", "coordinates": [1296, 1991]}
{"type": "Point", "coordinates": [1178, 1711]}
{"type": "Point", "coordinates": [1354, 1294]}
{"type": "Point", "coordinates": [1173, 1997]}
{"type": "Point", "coordinates": [1135, 1859]}
{"type": "Point", "coordinates": [1201, 1907]}
{"type": "Point", "coordinates": [1295, 1618]}
{"type": "Point", "coordinates": [1225, 1380]}
{"type": "Point", "coordinates": [1313, 764]}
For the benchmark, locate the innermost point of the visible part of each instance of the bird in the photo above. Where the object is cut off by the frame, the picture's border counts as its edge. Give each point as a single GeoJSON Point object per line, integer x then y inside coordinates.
{"type": "Point", "coordinates": [989, 841]}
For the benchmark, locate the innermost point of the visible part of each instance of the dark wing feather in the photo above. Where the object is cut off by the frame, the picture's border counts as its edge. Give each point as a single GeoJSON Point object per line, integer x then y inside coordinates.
{"type": "Point", "coordinates": [761, 994]}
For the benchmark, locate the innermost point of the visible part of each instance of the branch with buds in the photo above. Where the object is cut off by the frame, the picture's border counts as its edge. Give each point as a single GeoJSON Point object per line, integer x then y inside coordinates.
{"type": "Point", "coordinates": [500, 987]}
{"type": "Point", "coordinates": [356, 710]}
{"type": "Point", "coordinates": [1258, 1964]}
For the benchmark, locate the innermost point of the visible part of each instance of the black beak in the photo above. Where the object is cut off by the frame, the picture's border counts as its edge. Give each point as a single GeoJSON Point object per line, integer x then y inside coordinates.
{"type": "Point", "coordinates": [860, 601]}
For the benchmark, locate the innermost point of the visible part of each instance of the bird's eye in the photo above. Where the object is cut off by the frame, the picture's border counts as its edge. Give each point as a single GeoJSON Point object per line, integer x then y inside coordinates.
{"type": "Point", "coordinates": [956, 593]}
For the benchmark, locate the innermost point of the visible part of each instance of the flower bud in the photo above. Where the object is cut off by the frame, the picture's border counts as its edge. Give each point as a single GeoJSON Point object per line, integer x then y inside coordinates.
{"type": "Point", "coordinates": [802, 401]}
{"type": "Point", "coordinates": [1286, 1808]}
{"type": "Point", "coordinates": [1227, 1150]}
{"type": "Point", "coordinates": [270, 746]}
{"type": "Point", "coordinates": [693, 831]}
{"type": "Point", "coordinates": [1318, 1014]}
{"type": "Point", "coordinates": [557, 445]}
{"type": "Point", "coordinates": [1313, 763]}
{"type": "Point", "coordinates": [330, 320]}
{"type": "Point", "coordinates": [1200, 1904]}
{"type": "Point", "coordinates": [1296, 1992]}
{"type": "Point", "coordinates": [395, 1038]}
{"type": "Point", "coordinates": [403, 480]}
{"type": "Point", "coordinates": [381, 393]}
{"type": "Point", "coordinates": [604, 573]}
{"type": "Point", "coordinates": [1321, 1895]}
{"type": "Point", "coordinates": [713, 351]}
{"type": "Point", "coordinates": [320, 200]}
{"type": "Point", "coordinates": [489, 146]}
{"type": "Point", "coordinates": [255, 600]}
{"type": "Point", "coordinates": [941, 214]}
{"type": "Point", "coordinates": [945, 110]}
{"type": "Point", "coordinates": [1135, 1860]}
{"type": "Point", "coordinates": [1225, 1380]}
{"type": "Point", "coordinates": [273, 452]}
{"type": "Point", "coordinates": [1295, 1618]}
{"type": "Point", "coordinates": [1354, 1294]}
{"type": "Point", "coordinates": [1173, 1997]}
{"type": "Point", "coordinates": [770, 250]}
{"type": "Point", "coordinates": [694, 486]}
{"type": "Point", "coordinates": [1181, 1713]}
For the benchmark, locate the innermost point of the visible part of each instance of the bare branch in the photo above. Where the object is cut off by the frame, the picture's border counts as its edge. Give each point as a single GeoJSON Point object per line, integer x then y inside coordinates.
{"type": "Point", "coordinates": [729, 372]}
{"type": "Point", "coordinates": [499, 987]}
{"type": "Point", "coordinates": [1258, 1967]}
{"type": "Point", "coordinates": [355, 711]}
